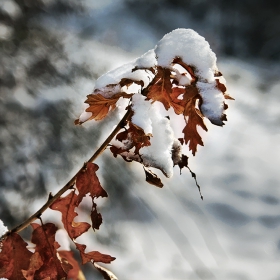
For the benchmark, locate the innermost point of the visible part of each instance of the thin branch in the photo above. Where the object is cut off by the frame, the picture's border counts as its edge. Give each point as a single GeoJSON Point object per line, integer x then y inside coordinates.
{"type": "Point", "coordinates": [70, 184]}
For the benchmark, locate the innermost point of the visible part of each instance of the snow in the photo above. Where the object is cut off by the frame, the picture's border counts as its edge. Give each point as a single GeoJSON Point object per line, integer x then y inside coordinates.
{"type": "Point", "coordinates": [114, 76]}
{"type": "Point", "coordinates": [213, 102]}
{"type": "Point", "coordinates": [142, 112]}
{"type": "Point", "coordinates": [147, 116]}
{"type": "Point", "coordinates": [192, 48]}
{"type": "Point", "coordinates": [147, 60]}
{"type": "Point", "coordinates": [3, 228]}
{"type": "Point", "coordinates": [85, 115]}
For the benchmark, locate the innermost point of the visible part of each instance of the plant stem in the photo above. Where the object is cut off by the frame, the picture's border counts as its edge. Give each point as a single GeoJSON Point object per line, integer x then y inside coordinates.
{"type": "Point", "coordinates": [53, 198]}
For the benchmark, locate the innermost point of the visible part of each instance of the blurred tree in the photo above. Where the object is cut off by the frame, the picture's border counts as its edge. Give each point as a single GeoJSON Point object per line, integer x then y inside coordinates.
{"type": "Point", "coordinates": [38, 137]}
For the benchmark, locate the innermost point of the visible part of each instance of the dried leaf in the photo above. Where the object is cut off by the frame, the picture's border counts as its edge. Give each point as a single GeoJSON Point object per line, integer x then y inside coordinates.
{"type": "Point", "coordinates": [189, 68]}
{"type": "Point", "coordinates": [93, 256]}
{"type": "Point", "coordinates": [134, 137]}
{"type": "Point", "coordinates": [152, 178]}
{"type": "Point", "coordinates": [183, 162]}
{"type": "Point", "coordinates": [99, 105]}
{"type": "Point", "coordinates": [44, 238]}
{"type": "Point", "coordinates": [67, 257]}
{"type": "Point", "coordinates": [35, 264]}
{"type": "Point", "coordinates": [66, 205]}
{"type": "Point", "coordinates": [160, 89]}
{"type": "Point", "coordinates": [194, 118]}
{"type": "Point", "coordinates": [88, 182]}
{"type": "Point", "coordinates": [14, 257]}
{"type": "Point", "coordinates": [128, 82]}
{"type": "Point", "coordinates": [96, 218]}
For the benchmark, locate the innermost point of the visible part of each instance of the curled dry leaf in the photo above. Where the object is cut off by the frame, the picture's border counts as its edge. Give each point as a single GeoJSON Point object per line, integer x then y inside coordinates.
{"type": "Point", "coordinates": [93, 256]}
{"type": "Point", "coordinates": [152, 178]}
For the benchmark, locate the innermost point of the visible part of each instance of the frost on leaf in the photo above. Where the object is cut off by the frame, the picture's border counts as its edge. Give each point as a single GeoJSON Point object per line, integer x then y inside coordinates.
{"type": "Point", "coordinates": [14, 256]}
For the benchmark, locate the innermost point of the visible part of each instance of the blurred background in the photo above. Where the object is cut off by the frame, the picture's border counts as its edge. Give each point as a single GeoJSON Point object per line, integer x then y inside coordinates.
{"type": "Point", "coordinates": [51, 53]}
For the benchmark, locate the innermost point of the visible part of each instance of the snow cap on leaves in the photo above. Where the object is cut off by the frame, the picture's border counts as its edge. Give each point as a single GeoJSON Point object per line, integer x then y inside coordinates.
{"type": "Point", "coordinates": [192, 48]}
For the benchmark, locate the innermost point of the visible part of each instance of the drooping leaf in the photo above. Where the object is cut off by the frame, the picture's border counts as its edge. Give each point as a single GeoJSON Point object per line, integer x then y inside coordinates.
{"type": "Point", "coordinates": [96, 218]}
{"type": "Point", "coordinates": [184, 162]}
{"type": "Point", "coordinates": [66, 205]}
{"type": "Point", "coordinates": [152, 178]}
{"type": "Point", "coordinates": [44, 239]}
{"type": "Point", "coordinates": [193, 117]}
{"type": "Point", "coordinates": [93, 256]}
{"type": "Point", "coordinates": [14, 257]}
{"type": "Point", "coordinates": [87, 182]}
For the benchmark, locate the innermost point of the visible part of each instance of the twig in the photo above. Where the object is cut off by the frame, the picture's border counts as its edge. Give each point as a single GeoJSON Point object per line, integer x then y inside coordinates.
{"type": "Point", "coordinates": [53, 198]}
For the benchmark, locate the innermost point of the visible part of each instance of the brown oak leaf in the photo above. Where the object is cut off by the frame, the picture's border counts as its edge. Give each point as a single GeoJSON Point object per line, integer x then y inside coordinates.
{"type": "Point", "coordinates": [14, 257]}
{"type": "Point", "coordinates": [193, 117]}
{"type": "Point", "coordinates": [87, 182]}
{"type": "Point", "coordinates": [99, 105]}
{"type": "Point", "coordinates": [161, 89]}
{"type": "Point", "coordinates": [35, 263]}
{"type": "Point", "coordinates": [44, 239]}
{"type": "Point", "coordinates": [66, 205]}
{"type": "Point", "coordinates": [67, 257]}
{"type": "Point", "coordinates": [152, 178]}
{"type": "Point", "coordinates": [93, 256]}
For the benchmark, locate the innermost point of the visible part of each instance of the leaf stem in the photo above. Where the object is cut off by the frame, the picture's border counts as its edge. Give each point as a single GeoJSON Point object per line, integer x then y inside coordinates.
{"type": "Point", "coordinates": [71, 182]}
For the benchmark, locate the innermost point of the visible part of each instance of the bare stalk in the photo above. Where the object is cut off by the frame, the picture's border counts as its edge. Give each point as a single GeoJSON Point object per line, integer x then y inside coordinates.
{"type": "Point", "coordinates": [71, 182]}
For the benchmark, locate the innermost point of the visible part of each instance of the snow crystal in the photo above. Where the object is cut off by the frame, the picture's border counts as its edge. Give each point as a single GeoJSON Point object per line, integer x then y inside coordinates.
{"type": "Point", "coordinates": [192, 48]}
{"type": "Point", "coordinates": [3, 228]}
{"type": "Point", "coordinates": [213, 102]}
